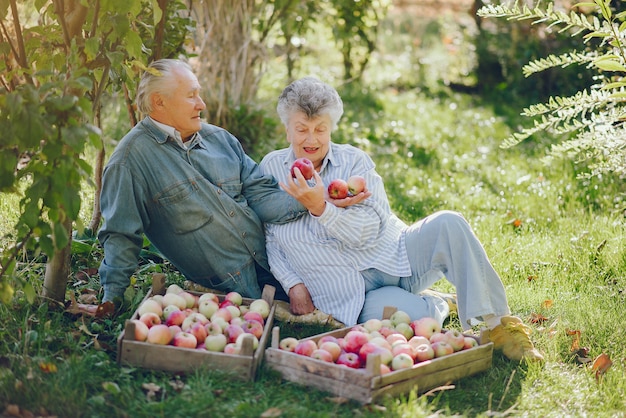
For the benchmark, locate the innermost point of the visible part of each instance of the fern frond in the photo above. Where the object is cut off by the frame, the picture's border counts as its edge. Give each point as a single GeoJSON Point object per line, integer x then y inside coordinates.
{"type": "Point", "coordinates": [562, 61]}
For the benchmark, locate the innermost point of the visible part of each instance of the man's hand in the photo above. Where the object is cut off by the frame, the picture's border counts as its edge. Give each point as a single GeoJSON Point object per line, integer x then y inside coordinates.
{"type": "Point", "coordinates": [350, 200]}
{"type": "Point", "coordinates": [300, 301]}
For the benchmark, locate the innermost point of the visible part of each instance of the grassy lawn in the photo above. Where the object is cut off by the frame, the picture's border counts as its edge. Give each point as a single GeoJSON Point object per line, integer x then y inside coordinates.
{"type": "Point", "coordinates": [558, 242]}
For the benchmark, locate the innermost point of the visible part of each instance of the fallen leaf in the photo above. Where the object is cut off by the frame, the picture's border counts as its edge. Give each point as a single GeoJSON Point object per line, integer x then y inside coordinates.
{"type": "Point", "coordinates": [272, 412]}
{"type": "Point", "coordinates": [48, 367]}
{"type": "Point", "coordinates": [531, 278]}
{"type": "Point", "coordinates": [536, 318]}
{"type": "Point", "coordinates": [576, 341]}
{"type": "Point", "coordinates": [547, 304]}
{"type": "Point", "coordinates": [105, 309]}
{"type": "Point", "coordinates": [601, 364]}
{"type": "Point", "coordinates": [151, 390]}
{"type": "Point", "coordinates": [88, 298]}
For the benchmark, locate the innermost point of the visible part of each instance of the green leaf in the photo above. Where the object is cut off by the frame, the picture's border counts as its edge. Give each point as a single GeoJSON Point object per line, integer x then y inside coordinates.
{"type": "Point", "coordinates": [158, 13]}
{"type": "Point", "coordinates": [29, 291]}
{"type": "Point", "coordinates": [61, 237]}
{"type": "Point", "coordinates": [133, 44]}
{"type": "Point", "coordinates": [111, 387]}
{"type": "Point", "coordinates": [609, 65]}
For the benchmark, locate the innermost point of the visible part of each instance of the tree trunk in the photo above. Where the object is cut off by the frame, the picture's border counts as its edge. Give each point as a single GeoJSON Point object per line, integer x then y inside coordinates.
{"type": "Point", "coordinates": [58, 270]}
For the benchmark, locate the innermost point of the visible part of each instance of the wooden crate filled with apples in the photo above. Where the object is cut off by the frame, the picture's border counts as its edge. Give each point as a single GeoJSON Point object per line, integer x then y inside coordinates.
{"type": "Point", "coordinates": [177, 331]}
{"type": "Point", "coordinates": [378, 358]}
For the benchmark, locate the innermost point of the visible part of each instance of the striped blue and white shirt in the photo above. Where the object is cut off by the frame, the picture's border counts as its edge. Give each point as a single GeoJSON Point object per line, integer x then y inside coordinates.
{"type": "Point", "coordinates": [327, 253]}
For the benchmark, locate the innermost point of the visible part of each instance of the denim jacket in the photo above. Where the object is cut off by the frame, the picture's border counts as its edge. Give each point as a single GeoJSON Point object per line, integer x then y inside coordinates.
{"type": "Point", "coordinates": [202, 207]}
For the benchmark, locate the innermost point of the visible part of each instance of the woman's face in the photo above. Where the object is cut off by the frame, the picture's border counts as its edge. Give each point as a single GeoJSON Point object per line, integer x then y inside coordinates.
{"type": "Point", "coordinates": [309, 138]}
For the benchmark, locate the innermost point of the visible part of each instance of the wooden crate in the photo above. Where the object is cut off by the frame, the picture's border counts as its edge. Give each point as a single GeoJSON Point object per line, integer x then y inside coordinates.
{"type": "Point", "coordinates": [176, 359]}
{"type": "Point", "coordinates": [366, 385]}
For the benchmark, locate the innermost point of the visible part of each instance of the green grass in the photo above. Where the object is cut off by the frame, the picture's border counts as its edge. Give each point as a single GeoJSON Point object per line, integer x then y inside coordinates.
{"type": "Point", "coordinates": [566, 262]}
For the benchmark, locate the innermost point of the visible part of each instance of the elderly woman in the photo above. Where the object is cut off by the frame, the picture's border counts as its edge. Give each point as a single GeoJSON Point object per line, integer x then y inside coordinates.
{"type": "Point", "coordinates": [353, 257]}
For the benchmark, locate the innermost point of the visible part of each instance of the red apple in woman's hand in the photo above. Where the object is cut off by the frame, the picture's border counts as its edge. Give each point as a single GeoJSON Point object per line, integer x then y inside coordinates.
{"type": "Point", "coordinates": [356, 184]}
{"type": "Point", "coordinates": [305, 166]}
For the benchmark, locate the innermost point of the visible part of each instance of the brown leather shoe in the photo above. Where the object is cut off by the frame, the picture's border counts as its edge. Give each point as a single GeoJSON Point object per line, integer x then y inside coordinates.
{"type": "Point", "coordinates": [513, 339]}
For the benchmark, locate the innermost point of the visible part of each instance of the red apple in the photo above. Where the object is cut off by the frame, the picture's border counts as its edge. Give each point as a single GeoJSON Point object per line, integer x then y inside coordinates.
{"type": "Point", "coordinates": [403, 348]}
{"type": "Point", "coordinates": [174, 329]}
{"type": "Point", "coordinates": [401, 361]}
{"type": "Point", "coordinates": [354, 340]}
{"type": "Point", "coordinates": [189, 298]}
{"type": "Point", "coordinates": [425, 326]}
{"type": "Point", "coordinates": [396, 337]}
{"type": "Point", "coordinates": [305, 347]}
{"type": "Point", "coordinates": [185, 340]}
{"type": "Point", "coordinates": [438, 336]}
{"type": "Point", "coordinates": [199, 331]}
{"type": "Point", "coordinates": [418, 340]}
{"type": "Point", "coordinates": [384, 369]}
{"type": "Point", "coordinates": [322, 355]}
{"type": "Point", "coordinates": [253, 327]}
{"type": "Point", "coordinates": [373, 324]}
{"type": "Point", "coordinates": [305, 166]}
{"type": "Point", "coordinates": [349, 360]}
{"type": "Point", "coordinates": [159, 334]}
{"type": "Point", "coordinates": [232, 348]}
{"type": "Point", "coordinates": [222, 313]}
{"type": "Point", "coordinates": [240, 339]}
{"type": "Point", "coordinates": [325, 338]}
{"type": "Point", "coordinates": [213, 328]}
{"type": "Point", "coordinates": [369, 348]}
{"type": "Point", "coordinates": [288, 344]}
{"type": "Point", "coordinates": [232, 332]}
{"type": "Point", "coordinates": [338, 189]}
{"type": "Point", "coordinates": [150, 319]}
{"type": "Point", "coordinates": [209, 296]}
{"type": "Point", "coordinates": [174, 299]}
{"type": "Point", "coordinates": [424, 352]}
{"type": "Point", "coordinates": [356, 184]}
{"type": "Point", "coordinates": [254, 316]}
{"type": "Point", "coordinates": [175, 317]}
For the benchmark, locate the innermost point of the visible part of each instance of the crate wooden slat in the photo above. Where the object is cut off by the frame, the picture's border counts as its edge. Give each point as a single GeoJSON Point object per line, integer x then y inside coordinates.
{"type": "Point", "coordinates": [367, 384]}
{"type": "Point", "coordinates": [177, 359]}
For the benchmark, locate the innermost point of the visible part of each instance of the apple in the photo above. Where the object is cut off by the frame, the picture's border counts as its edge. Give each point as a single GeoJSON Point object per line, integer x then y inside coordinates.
{"type": "Point", "coordinates": [261, 306]}
{"type": "Point", "coordinates": [354, 340]}
{"type": "Point", "coordinates": [234, 297]}
{"type": "Point", "coordinates": [234, 311]}
{"type": "Point", "coordinates": [215, 342]}
{"type": "Point", "coordinates": [338, 189]}
{"type": "Point", "coordinates": [159, 334]}
{"type": "Point", "coordinates": [209, 296]}
{"type": "Point", "coordinates": [175, 317]}
{"type": "Point", "coordinates": [232, 332]}
{"type": "Point", "coordinates": [238, 321]}
{"type": "Point", "coordinates": [373, 324]}
{"type": "Point", "coordinates": [322, 355]}
{"type": "Point", "coordinates": [185, 340]}
{"type": "Point", "coordinates": [424, 352]}
{"type": "Point", "coordinates": [381, 342]}
{"type": "Point", "coordinates": [207, 307]}
{"type": "Point", "coordinates": [174, 288]}
{"type": "Point", "coordinates": [401, 361]}
{"type": "Point", "coordinates": [150, 305]}
{"type": "Point", "coordinates": [158, 299]}
{"type": "Point", "coordinates": [438, 336]}
{"type": "Point", "coordinates": [167, 310]}
{"type": "Point", "coordinates": [192, 319]}
{"type": "Point", "coordinates": [425, 326]}
{"type": "Point", "coordinates": [189, 299]}
{"type": "Point", "coordinates": [254, 316]}
{"type": "Point", "coordinates": [175, 329]}
{"type": "Point", "coordinates": [332, 347]}
{"type": "Point", "coordinates": [371, 349]}
{"type": "Point", "coordinates": [442, 348]}
{"type": "Point", "coordinates": [225, 303]}
{"type": "Point", "coordinates": [219, 321]}
{"type": "Point", "coordinates": [223, 313]}
{"type": "Point", "coordinates": [232, 348]}
{"type": "Point", "coordinates": [403, 348]}
{"type": "Point", "coordinates": [288, 344]}
{"type": "Point", "coordinates": [199, 331]}
{"type": "Point", "coordinates": [396, 337]}
{"type": "Point", "coordinates": [305, 166]}
{"type": "Point", "coordinates": [240, 339]}
{"type": "Point", "coordinates": [384, 369]}
{"type": "Point", "coordinates": [174, 299]}
{"type": "Point", "coordinates": [150, 319]}
{"type": "Point", "coordinates": [213, 328]}
{"type": "Point", "coordinates": [349, 360]}
{"type": "Point", "coordinates": [253, 327]}
{"type": "Point", "coordinates": [399, 317]}
{"type": "Point", "coordinates": [386, 331]}
{"type": "Point", "coordinates": [305, 347]}
{"type": "Point", "coordinates": [405, 329]}
{"type": "Point", "coordinates": [469, 342]}
{"type": "Point", "coordinates": [417, 340]}
{"type": "Point", "coordinates": [455, 338]}
{"type": "Point", "coordinates": [356, 184]}
{"type": "Point", "coordinates": [325, 338]}
{"type": "Point", "coordinates": [141, 330]}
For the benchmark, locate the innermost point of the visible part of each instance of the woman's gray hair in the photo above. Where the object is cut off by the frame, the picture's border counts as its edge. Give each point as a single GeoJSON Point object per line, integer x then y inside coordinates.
{"type": "Point", "coordinates": [157, 79]}
{"type": "Point", "coordinates": [311, 97]}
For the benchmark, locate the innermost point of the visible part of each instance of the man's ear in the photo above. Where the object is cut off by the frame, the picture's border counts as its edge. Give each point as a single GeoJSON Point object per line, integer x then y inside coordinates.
{"type": "Point", "coordinates": [157, 100]}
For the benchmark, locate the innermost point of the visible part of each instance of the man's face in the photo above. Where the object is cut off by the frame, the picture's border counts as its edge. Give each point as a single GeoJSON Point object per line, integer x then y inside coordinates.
{"type": "Point", "coordinates": [181, 105]}
{"type": "Point", "coordinates": [309, 138]}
